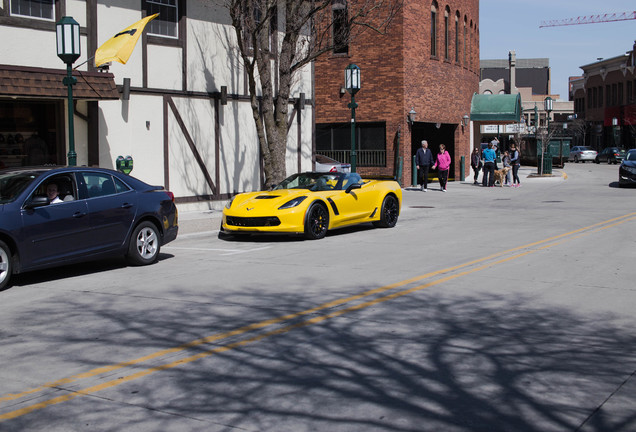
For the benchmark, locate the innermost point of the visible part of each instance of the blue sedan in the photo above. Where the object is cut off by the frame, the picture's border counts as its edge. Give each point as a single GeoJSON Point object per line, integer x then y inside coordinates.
{"type": "Point", "coordinates": [57, 216]}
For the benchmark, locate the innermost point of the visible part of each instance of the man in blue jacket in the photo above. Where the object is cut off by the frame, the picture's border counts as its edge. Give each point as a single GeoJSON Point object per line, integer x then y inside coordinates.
{"type": "Point", "coordinates": [424, 160]}
{"type": "Point", "coordinates": [489, 156]}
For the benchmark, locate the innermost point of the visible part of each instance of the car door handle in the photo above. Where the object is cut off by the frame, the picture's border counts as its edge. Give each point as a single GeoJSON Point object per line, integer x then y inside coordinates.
{"type": "Point", "coordinates": [126, 205]}
{"type": "Point", "coordinates": [79, 214]}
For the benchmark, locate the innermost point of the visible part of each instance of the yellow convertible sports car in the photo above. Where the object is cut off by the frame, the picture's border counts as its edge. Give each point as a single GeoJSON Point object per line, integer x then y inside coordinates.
{"type": "Point", "coordinates": [313, 202]}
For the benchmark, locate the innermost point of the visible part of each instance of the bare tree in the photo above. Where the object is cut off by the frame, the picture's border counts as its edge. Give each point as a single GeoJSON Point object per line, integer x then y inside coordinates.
{"type": "Point", "coordinates": [271, 64]}
{"type": "Point", "coordinates": [578, 128]}
{"type": "Point", "coordinates": [545, 135]}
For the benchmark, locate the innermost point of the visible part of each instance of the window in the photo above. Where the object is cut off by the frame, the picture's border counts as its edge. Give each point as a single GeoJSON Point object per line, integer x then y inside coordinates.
{"type": "Point", "coordinates": [630, 96]}
{"type": "Point", "coordinates": [340, 27]}
{"type": "Point", "coordinates": [600, 96]}
{"type": "Point", "coordinates": [620, 94]}
{"type": "Point", "coordinates": [334, 140]}
{"type": "Point", "coordinates": [166, 24]}
{"type": "Point", "coordinates": [608, 96]}
{"type": "Point", "coordinates": [446, 34]}
{"type": "Point", "coordinates": [465, 39]}
{"type": "Point", "coordinates": [43, 9]}
{"type": "Point", "coordinates": [434, 29]}
{"type": "Point", "coordinates": [457, 38]}
{"type": "Point", "coordinates": [594, 98]}
{"type": "Point", "coordinates": [99, 184]}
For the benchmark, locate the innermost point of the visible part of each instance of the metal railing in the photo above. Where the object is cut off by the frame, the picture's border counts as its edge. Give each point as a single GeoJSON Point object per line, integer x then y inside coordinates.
{"type": "Point", "coordinates": [365, 158]}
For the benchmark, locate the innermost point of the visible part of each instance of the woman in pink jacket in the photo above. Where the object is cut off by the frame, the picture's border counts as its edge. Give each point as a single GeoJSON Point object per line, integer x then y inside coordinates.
{"type": "Point", "coordinates": [442, 164]}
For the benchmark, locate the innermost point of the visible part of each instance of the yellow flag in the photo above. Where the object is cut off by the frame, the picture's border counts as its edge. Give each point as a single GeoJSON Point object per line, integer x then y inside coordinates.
{"type": "Point", "coordinates": [120, 47]}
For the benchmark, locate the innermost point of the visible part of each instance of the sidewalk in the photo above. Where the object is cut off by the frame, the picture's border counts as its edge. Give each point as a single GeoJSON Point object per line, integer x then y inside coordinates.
{"type": "Point", "coordinates": [193, 220]}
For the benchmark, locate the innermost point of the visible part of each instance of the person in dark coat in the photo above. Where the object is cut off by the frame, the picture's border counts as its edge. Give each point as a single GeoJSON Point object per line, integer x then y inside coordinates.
{"type": "Point", "coordinates": [423, 161]}
{"type": "Point", "coordinates": [475, 162]}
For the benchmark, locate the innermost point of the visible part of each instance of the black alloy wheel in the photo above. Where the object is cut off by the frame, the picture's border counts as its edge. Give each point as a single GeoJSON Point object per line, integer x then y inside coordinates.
{"type": "Point", "coordinates": [389, 213]}
{"type": "Point", "coordinates": [316, 222]}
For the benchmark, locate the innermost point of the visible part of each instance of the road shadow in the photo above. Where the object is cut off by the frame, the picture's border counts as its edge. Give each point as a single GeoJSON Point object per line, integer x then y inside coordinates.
{"type": "Point", "coordinates": [74, 270]}
{"type": "Point", "coordinates": [418, 363]}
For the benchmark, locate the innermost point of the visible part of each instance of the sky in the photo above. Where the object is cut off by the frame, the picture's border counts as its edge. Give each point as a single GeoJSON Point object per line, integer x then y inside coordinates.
{"type": "Point", "coordinates": [507, 25]}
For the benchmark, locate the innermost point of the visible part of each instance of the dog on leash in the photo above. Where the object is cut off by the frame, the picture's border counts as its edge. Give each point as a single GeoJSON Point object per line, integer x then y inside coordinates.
{"type": "Point", "coordinates": [500, 175]}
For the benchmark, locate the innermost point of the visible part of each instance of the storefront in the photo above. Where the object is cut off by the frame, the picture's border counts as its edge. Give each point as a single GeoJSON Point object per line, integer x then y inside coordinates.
{"type": "Point", "coordinates": [32, 113]}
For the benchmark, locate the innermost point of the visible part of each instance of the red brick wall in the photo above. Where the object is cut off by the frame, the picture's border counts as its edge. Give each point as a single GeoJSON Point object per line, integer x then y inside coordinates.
{"type": "Point", "coordinates": [398, 73]}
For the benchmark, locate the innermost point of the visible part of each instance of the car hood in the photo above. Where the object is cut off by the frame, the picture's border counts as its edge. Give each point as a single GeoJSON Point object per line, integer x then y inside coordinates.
{"type": "Point", "coordinates": [629, 163]}
{"type": "Point", "coordinates": [268, 199]}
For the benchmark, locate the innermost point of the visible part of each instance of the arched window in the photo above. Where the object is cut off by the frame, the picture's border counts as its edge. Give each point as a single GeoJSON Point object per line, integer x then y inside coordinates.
{"type": "Point", "coordinates": [447, 33]}
{"type": "Point", "coordinates": [457, 37]}
{"type": "Point", "coordinates": [340, 27]}
{"type": "Point", "coordinates": [465, 38]}
{"type": "Point", "coordinates": [434, 29]}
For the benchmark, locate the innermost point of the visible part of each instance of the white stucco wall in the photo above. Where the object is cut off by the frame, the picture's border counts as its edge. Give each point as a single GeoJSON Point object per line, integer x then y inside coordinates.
{"type": "Point", "coordinates": [124, 131]}
{"type": "Point", "coordinates": [136, 127]}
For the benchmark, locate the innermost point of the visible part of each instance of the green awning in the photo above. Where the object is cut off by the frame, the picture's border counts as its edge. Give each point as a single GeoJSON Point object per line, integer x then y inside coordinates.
{"type": "Point", "coordinates": [502, 108]}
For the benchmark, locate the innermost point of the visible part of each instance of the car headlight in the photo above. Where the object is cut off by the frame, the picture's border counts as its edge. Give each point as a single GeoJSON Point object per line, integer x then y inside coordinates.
{"type": "Point", "coordinates": [229, 203]}
{"type": "Point", "coordinates": [292, 203]}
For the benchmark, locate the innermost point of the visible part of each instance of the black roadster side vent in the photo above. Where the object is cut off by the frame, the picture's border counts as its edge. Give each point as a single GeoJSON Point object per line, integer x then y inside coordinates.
{"type": "Point", "coordinates": [333, 206]}
{"type": "Point", "coordinates": [266, 197]}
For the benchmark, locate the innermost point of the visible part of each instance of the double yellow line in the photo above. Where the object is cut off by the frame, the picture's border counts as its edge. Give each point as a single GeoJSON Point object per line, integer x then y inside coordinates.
{"type": "Point", "coordinates": [450, 274]}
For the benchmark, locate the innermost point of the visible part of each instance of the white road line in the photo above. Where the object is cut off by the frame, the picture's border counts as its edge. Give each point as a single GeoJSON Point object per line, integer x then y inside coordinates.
{"type": "Point", "coordinates": [227, 251]}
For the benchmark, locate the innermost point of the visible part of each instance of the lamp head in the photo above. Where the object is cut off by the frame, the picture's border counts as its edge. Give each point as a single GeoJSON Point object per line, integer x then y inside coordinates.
{"type": "Point", "coordinates": [352, 78]}
{"type": "Point", "coordinates": [67, 32]}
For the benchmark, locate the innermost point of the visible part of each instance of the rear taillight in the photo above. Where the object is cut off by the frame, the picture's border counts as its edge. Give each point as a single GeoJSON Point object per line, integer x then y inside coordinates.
{"type": "Point", "coordinates": [171, 195]}
{"type": "Point", "coordinates": [333, 169]}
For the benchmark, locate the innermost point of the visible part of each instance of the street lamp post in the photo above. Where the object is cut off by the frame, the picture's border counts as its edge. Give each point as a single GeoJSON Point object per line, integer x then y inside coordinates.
{"type": "Point", "coordinates": [352, 85]}
{"type": "Point", "coordinates": [68, 50]}
{"type": "Point", "coordinates": [547, 105]}
{"type": "Point", "coordinates": [545, 149]}
{"type": "Point", "coordinates": [615, 132]}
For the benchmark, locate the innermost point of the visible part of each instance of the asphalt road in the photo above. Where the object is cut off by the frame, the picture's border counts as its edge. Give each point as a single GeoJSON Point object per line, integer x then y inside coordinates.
{"type": "Point", "coordinates": [484, 309]}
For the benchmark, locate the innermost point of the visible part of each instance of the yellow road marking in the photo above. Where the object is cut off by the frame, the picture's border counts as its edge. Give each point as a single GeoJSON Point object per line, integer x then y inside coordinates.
{"type": "Point", "coordinates": [266, 323]}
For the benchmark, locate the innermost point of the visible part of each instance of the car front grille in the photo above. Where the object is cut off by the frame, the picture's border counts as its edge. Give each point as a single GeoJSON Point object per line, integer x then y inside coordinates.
{"type": "Point", "coordinates": [252, 221]}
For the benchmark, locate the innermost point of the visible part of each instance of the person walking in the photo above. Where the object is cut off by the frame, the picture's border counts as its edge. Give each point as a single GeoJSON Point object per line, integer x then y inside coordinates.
{"type": "Point", "coordinates": [515, 161]}
{"type": "Point", "coordinates": [489, 155]}
{"type": "Point", "coordinates": [423, 161]}
{"type": "Point", "coordinates": [475, 162]}
{"type": "Point", "coordinates": [442, 164]}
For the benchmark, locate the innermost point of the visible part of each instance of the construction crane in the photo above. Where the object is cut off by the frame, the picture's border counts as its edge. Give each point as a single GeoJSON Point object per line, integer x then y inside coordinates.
{"type": "Point", "coordinates": [590, 19]}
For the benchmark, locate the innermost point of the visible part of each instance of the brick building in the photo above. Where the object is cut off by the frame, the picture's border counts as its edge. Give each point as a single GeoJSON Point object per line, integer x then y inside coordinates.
{"type": "Point", "coordinates": [427, 63]}
{"type": "Point", "coordinates": [605, 97]}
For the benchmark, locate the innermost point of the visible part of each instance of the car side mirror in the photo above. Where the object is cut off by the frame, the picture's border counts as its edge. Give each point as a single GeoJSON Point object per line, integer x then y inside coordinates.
{"type": "Point", "coordinates": [353, 186]}
{"type": "Point", "coordinates": [37, 201]}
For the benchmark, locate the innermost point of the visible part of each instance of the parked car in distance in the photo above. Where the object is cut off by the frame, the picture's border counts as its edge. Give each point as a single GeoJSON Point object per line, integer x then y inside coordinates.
{"type": "Point", "coordinates": [93, 213]}
{"type": "Point", "coordinates": [327, 164]}
{"type": "Point", "coordinates": [627, 170]}
{"type": "Point", "coordinates": [582, 154]}
{"type": "Point", "coordinates": [611, 155]}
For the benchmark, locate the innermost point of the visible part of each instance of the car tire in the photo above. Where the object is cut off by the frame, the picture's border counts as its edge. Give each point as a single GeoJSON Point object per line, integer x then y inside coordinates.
{"type": "Point", "coordinates": [316, 221]}
{"type": "Point", "coordinates": [576, 159]}
{"type": "Point", "coordinates": [6, 265]}
{"type": "Point", "coordinates": [145, 243]}
{"type": "Point", "coordinates": [597, 160]}
{"type": "Point", "coordinates": [389, 213]}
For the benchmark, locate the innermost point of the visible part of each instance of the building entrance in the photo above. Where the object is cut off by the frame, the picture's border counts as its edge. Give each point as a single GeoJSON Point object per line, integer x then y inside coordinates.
{"type": "Point", "coordinates": [444, 134]}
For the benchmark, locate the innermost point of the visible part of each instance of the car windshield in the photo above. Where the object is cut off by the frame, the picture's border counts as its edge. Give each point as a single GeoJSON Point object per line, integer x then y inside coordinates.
{"type": "Point", "coordinates": [631, 155]}
{"type": "Point", "coordinates": [13, 183]}
{"type": "Point", "coordinates": [314, 181]}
